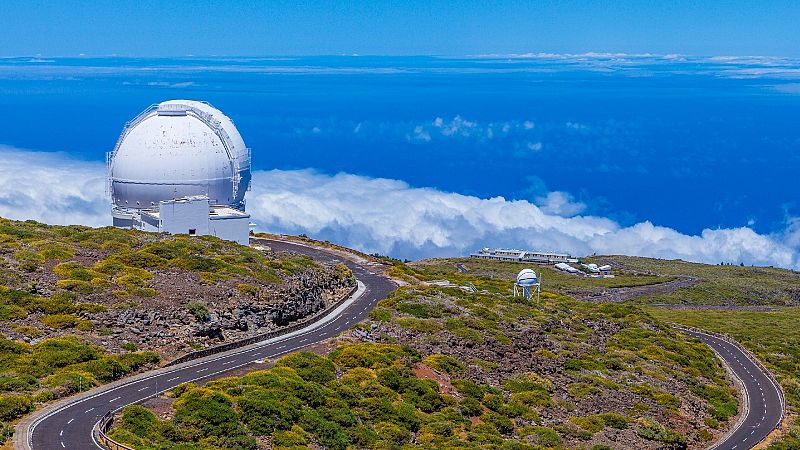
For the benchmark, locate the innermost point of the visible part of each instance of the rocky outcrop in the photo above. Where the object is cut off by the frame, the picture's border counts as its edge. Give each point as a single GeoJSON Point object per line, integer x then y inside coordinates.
{"type": "Point", "coordinates": [174, 329]}
{"type": "Point", "coordinates": [306, 295]}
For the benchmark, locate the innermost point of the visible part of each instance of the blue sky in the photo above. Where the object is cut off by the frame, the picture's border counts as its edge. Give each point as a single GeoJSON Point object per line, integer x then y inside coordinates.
{"type": "Point", "coordinates": [201, 27]}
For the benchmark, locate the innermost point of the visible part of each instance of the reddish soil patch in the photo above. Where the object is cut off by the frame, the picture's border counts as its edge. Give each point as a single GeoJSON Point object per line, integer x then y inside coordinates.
{"type": "Point", "coordinates": [443, 380]}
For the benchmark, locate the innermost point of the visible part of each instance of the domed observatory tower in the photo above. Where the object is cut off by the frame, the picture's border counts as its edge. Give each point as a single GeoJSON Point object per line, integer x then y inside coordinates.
{"type": "Point", "coordinates": [527, 283]}
{"type": "Point", "coordinates": [181, 167]}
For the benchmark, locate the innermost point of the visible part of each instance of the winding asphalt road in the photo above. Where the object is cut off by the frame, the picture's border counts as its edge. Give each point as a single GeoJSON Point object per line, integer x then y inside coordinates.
{"type": "Point", "coordinates": [71, 426]}
{"type": "Point", "coordinates": [765, 401]}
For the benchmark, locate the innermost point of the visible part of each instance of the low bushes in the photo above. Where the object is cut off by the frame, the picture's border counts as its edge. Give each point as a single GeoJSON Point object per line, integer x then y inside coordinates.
{"type": "Point", "coordinates": [654, 431]}
{"type": "Point", "coordinates": [14, 406]}
{"type": "Point", "coordinates": [444, 363]}
{"type": "Point", "coordinates": [198, 309]}
{"type": "Point", "coordinates": [60, 321]}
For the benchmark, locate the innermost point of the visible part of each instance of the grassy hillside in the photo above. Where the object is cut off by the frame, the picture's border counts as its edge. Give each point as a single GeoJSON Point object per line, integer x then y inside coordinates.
{"type": "Point", "coordinates": [503, 273]}
{"type": "Point", "coordinates": [441, 368]}
{"type": "Point", "coordinates": [719, 285]}
{"type": "Point", "coordinates": [711, 284]}
{"type": "Point", "coordinates": [77, 303]}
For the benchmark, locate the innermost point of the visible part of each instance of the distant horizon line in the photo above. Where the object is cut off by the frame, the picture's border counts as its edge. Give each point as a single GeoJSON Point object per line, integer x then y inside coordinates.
{"type": "Point", "coordinates": [527, 55]}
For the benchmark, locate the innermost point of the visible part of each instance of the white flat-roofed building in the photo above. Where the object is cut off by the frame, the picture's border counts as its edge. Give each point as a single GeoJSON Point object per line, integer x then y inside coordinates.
{"type": "Point", "coordinates": [564, 267]}
{"type": "Point", "coordinates": [195, 216]}
{"type": "Point", "coordinates": [514, 255]}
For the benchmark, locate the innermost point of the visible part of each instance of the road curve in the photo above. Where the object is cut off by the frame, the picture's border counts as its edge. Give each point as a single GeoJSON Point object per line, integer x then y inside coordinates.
{"type": "Point", "coordinates": [764, 398]}
{"type": "Point", "coordinates": [70, 427]}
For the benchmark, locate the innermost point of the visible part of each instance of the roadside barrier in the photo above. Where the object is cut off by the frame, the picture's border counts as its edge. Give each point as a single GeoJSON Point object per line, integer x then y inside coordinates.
{"type": "Point", "coordinates": [102, 428]}
{"type": "Point", "coordinates": [263, 337]}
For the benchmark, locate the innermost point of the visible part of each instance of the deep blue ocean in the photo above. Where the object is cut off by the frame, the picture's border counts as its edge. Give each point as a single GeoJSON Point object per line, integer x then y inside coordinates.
{"type": "Point", "coordinates": [688, 143]}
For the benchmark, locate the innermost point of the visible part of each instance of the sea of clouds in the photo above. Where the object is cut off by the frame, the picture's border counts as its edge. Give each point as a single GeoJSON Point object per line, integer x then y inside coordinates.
{"type": "Point", "coordinates": [390, 217]}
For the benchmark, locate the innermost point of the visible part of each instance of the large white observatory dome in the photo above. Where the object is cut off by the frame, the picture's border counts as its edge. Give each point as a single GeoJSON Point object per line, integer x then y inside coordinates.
{"type": "Point", "coordinates": [179, 148]}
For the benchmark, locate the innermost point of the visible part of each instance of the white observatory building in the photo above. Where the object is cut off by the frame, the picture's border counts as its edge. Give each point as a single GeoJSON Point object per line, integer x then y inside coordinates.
{"type": "Point", "coordinates": [181, 167]}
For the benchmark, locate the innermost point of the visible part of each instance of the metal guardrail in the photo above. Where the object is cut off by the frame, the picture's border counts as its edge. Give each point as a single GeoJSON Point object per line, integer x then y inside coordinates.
{"type": "Point", "coordinates": [263, 337]}
{"type": "Point", "coordinates": [102, 428]}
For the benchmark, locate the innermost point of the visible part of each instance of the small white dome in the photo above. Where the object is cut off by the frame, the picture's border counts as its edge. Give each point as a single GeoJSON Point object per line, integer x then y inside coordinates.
{"type": "Point", "coordinates": [527, 277]}
{"type": "Point", "coordinates": [179, 148]}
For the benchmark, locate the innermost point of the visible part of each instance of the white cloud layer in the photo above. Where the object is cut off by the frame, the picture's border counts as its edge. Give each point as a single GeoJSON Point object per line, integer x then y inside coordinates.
{"type": "Point", "coordinates": [390, 217]}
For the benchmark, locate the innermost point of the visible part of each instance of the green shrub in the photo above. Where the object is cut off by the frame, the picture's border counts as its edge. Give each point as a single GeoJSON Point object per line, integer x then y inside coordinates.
{"type": "Point", "coordinates": [198, 309]}
{"type": "Point", "coordinates": [142, 292]}
{"type": "Point", "coordinates": [470, 407]}
{"type": "Point", "coordinates": [380, 314]}
{"type": "Point", "coordinates": [615, 420]}
{"type": "Point", "coordinates": [140, 259]}
{"type": "Point", "coordinates": [569, 429]}
{"type": "Point", "coordinates": [140, 421]}
{"type": "Point", "coordinates": [419, 310]}
{"type": "Point", "coordinates": [84, 325]}
{"type": "Point", "coordinates": [71, 381]}
{"type": "Point", "coordinates": [592, 424]}
{"type": "Point", "coordinates": [44, 396]}
{"type": "Point", "coordinates": [211, 413]}
{"type": "Point", "coordinates": [27, 330]}
{"type": "Point", "coordinates": [444, 363]}
{"type": "Point", "coordinates": [60, 321]}
{"type": "Point", "coordinates": [468, 388]}
{"type": "Point", "coordinates": [654, 431]}
{"type": "Point", "coordinates": [573, 364]}
{"type": "Point", "coordinates": [722, 405]}
{"type": "Point", "coordinates": [309, 366]}
{"type": "Point", "coordinates": [391, 432]}
{"type": "Point", "coordinates": [130, 280]}
{"type": "Point", "coordinates": [53, 250]}
{"type": "Point", "coordinates": [84, 287]}
{"type": "Point", "coordinates": [534, 398]}
{"type": "Point", "coordinates": [19, 383]}
{"type": "Point", "coordinates": [368, 355]}
{"type": "Point", "coordinates": [12, 312]}
{"type": "Point", "coordinates": [129, 346]}
{"type": "Point", "coordinates": [58, 303]}
{"type": "Point", "coordinates": [198, 263]}
{"type": "Point", "coordinates": [544, 436]}
{"type": "Point", "coordinates": [14, 406]}
{"type": "Point", "coordinates": [528, 381]}
{"type": "Point", "coordinates": [75, 271]}
{"type": "Point", "coordinates": [296, 437]}
{"type": "Point", "coordinates": [63, 351]}
{"type": "Point", "coordinates": [28, 261]}
{"type": "Point", "coordinates": [501, 423]}
{"type": "Point", "coordinates": [544, 353]}
{"type": "Point", "coordinates": [247, 289]}
{"type": "Point", "coordinates": [211, 278]}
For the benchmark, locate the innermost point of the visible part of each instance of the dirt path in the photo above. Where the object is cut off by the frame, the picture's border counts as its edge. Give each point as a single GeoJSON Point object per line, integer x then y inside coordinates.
{"type": "Point", "coordinates": [621, 294]}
